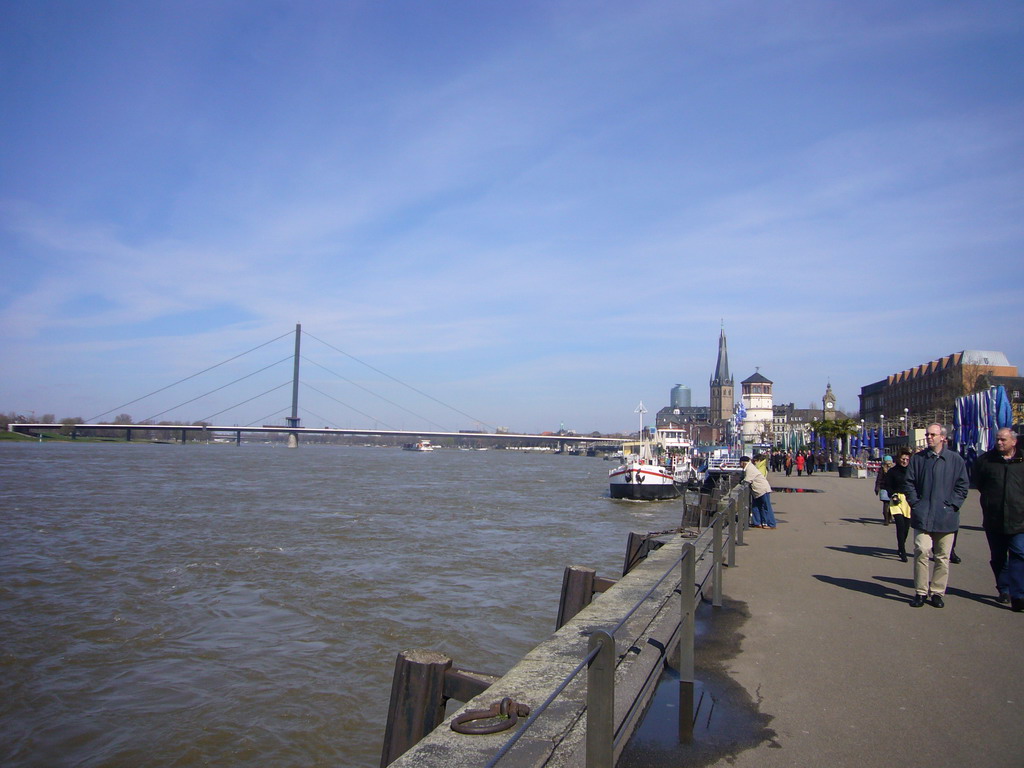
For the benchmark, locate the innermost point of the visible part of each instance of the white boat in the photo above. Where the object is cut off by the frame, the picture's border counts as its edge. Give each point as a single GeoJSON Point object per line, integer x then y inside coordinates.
{"type": "Point", "coordinates": [641, 477]}
{"type": "Point", "coordinates": [420, 445]}
{"type": "Point", "coordinates": [676, 446]}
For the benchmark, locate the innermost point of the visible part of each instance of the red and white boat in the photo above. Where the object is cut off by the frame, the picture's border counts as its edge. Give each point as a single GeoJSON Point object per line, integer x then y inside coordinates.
{"type": "Point", "coordinates": [641, 477]}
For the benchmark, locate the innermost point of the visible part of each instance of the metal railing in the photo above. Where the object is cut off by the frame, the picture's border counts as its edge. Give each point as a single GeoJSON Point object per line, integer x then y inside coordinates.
{"type": "Point", "coordinates": [602, 740]}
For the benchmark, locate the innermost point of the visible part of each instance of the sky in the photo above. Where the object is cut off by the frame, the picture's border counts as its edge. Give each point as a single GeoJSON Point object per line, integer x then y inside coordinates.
{"type": "Point", "coordinates": [527, 215]}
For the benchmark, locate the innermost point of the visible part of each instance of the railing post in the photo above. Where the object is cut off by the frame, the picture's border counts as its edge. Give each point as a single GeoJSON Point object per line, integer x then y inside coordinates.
{"type": "Point", "coordinates": [601, 702]}
{"type": "Point", "coordinates": [734, 513]}
{"type": "Point", "coordinates": [717, 564]}
{"type": "Point", "coordinates": [687, 635]}
{"type": "Point", "coordinates": [743, 511]}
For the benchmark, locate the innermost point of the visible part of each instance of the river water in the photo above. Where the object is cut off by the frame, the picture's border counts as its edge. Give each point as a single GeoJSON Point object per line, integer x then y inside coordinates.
{"type": "Point", "coordinates": [168, 605]}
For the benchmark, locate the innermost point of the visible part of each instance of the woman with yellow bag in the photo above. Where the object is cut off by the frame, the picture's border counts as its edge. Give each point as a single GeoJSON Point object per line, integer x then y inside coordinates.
{"type": "Point", "coordinates": [892, 482]}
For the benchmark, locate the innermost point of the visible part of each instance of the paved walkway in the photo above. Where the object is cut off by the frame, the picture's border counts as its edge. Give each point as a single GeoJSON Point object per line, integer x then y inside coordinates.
{"type": "Point", "coordinates": [817, 660]}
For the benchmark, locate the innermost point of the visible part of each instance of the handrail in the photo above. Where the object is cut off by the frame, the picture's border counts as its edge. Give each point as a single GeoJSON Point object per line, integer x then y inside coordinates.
{"type": "Point", "coordinates": [717, 523]}
{"type": "Point", "coordinates": [539, 710]}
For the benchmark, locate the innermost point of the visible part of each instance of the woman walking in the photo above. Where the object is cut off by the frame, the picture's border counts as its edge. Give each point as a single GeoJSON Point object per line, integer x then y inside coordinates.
{"type": "Point", "coordinates": [893, 482]}
{"type": "Point", "coordinates": [881, 492]}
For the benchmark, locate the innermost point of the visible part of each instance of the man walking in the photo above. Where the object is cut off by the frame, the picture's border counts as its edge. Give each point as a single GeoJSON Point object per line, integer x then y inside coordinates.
{"type": "Point", "coordinates": [936, 488]}
{"type": "Point", "coordinates": [999, 474]}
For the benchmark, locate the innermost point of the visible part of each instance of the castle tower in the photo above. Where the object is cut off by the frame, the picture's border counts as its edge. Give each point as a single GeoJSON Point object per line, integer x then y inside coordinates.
{"type": "Point", "coordinates": [722, 392]}
{"type": "Point", "coordinates": [757, 400]}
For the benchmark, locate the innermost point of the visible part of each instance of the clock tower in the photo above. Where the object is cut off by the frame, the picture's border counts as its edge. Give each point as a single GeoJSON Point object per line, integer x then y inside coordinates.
{"type": "Point", "coordinates": [828, 404]}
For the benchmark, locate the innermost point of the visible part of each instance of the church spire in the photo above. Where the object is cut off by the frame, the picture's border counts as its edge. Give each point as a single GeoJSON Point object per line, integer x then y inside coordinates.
{"type": "Point", "coordinates": [722, 367]}
{"type": "Point", "coordinates": [722, 398]}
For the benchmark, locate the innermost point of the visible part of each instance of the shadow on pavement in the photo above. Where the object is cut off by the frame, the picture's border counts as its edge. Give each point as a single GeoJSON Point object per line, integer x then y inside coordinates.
{"type": "Point", "coordinates": [853, 549]}
{"type": "Point", "coordinates": [872, 588]}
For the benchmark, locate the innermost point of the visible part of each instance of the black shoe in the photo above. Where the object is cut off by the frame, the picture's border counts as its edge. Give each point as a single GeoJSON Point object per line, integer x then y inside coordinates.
{"type": "Point", "coordinates": [903, 556]}
{"type": "Point", "coordinates": [937, 601]}
{"type": "Point", "coordinates": [1004, 598]}
{"type": "Point", "coordinates": [954, 559]}
{"type": "Point", "coordinates": [920, 600]}
{"type": "Point", "coordinates": [1017, 605]}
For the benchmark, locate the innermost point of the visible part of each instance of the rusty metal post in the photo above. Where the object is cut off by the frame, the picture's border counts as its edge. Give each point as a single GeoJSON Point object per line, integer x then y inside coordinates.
{"type": "Point", "coordinates": [417, 701]}
{"type": "Point", "coordinates": [687, 636]}
{"type": "Point", "coordinates": [577, 592]}
{"type": "Point", "coordinates": [601, 702]}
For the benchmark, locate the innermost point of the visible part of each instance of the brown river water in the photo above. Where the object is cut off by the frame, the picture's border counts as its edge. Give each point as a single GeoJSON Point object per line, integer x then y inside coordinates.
{"type": "Point", "coordinates": [167, 605]}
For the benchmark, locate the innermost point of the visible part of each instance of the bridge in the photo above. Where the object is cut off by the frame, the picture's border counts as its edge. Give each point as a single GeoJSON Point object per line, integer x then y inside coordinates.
{"type": "Point", "coordinates": [292, 428]}
{"type": "Point", "coordinates": [212, 431]}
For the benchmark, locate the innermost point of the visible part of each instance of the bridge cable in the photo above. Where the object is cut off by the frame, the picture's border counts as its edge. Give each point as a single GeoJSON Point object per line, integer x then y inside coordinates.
{"type": "Point", "coordinates": [310, 386]}
{"type": "Point", "coordinates": [231, 408]}
{"type": "Point", "coordinates": [399, 381]}
{"type": "Point", "coordinates": [218, 389]}
{"type": "Point", "coordinates": [200, 373]}
{"type": "Point", "coordinates": [370, 391]}
{"type": "Point", "coordinates": [270, 415]}
{"type": "Point", "coordinates": [321, 418]}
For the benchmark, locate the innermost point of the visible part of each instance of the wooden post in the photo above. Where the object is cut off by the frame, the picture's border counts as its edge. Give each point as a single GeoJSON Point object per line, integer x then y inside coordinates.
{"type": "Point", "coordinates": [638, 546]}
{"type": "Point", "coordinates": [577, 592]}
{"type": "Point", "coordinates": [417, 701]}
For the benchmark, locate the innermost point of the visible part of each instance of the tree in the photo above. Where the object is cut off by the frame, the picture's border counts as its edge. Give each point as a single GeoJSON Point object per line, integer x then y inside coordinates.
{"type": "Point", "coordinates": [845, 429]}
{"type": "Point", "coordinates": [840, 429]}
{"type": "Point", "coordinates": [68, 425]}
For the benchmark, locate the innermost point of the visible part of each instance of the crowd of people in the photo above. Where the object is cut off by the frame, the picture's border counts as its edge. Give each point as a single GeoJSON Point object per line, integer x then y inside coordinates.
{"type": "Point", "coordinates": [808, 461]}
{"type": "Point", "coordinates": [923, 491]}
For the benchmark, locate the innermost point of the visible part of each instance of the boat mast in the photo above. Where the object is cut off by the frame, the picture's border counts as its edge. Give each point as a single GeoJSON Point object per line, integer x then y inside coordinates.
{"type": "Point", "coordinates": [641, 410]}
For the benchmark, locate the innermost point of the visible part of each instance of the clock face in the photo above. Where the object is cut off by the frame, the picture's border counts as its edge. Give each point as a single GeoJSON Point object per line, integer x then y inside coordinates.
{"type": "Point", "coordinates": [828, 405]}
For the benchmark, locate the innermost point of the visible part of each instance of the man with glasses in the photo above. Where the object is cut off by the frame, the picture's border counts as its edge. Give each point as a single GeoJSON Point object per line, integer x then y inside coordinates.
{"type": "Point", "coordinates": [999, 475]}
{"type": "Point", "coordinates": [936, 487]}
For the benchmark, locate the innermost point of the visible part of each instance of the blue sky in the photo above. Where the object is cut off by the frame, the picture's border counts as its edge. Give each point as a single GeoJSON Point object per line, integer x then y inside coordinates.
{"type": "Point", "coordinates": [538, 213]}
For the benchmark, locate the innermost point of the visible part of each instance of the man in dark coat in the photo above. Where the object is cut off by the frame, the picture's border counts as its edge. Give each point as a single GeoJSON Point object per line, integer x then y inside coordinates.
{"type": "Point", "coordinates": [936, 487]}
{"type": "Point", "coordinates": [999, 475]}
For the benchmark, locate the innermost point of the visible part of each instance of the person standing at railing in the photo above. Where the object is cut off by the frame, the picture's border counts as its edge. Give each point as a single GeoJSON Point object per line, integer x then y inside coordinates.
{"type": "Point", "coordinates": [936, 488]}
{"type": "Point", "coordinates": [761, 508]}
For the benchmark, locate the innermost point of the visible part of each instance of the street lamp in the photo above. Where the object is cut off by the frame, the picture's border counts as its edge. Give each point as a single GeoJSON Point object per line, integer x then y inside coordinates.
{"type": "Point", "coordinates": [881, 423]}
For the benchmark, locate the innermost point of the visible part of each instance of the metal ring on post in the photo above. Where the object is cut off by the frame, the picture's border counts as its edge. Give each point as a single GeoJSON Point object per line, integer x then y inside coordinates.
{"type": "Point", "coordinates": [507, 709]}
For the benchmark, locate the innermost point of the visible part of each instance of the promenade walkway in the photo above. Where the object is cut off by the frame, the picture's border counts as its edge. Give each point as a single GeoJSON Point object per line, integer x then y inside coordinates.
{"type": "Point", "coordinates": [817, 660]}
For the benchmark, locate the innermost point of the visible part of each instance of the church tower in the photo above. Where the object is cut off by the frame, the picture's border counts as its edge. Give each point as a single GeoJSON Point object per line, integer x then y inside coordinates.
{"type": "Point", "coordinates": [828, 404]}
{"type": "Point", "coordinates": [722, 397]}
